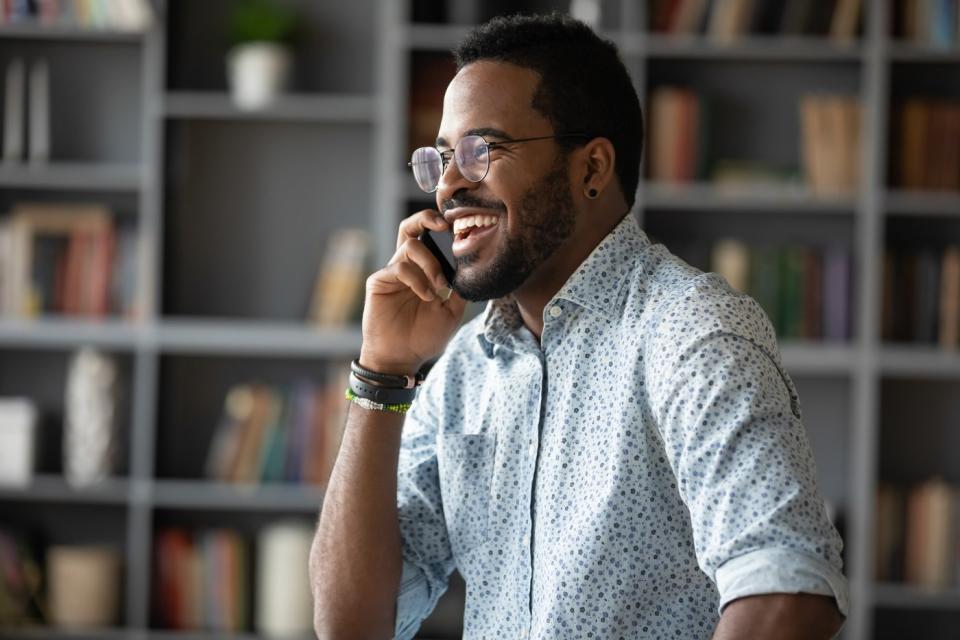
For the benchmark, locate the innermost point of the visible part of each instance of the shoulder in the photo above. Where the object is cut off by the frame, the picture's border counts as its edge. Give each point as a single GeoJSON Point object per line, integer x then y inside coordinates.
{"type": "Point", "coordinates": [683, 305]}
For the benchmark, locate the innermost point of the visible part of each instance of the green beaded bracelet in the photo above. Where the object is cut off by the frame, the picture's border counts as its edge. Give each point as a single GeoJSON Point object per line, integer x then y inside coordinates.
{"type": "Point", "coordinates": [400, 408]}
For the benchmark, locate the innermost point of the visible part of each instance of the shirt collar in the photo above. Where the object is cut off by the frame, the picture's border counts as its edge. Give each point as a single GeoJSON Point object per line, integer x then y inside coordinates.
{"type": "Point", "coordinates": [597, 284]}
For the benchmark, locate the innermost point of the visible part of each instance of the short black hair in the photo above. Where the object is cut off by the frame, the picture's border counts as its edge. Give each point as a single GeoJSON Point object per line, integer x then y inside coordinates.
{"type": "Point", "coordinates": [584, 85]}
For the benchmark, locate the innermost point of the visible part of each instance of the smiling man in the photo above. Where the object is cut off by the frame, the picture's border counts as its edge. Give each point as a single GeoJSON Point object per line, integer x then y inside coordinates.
{"type": "Point", "coordinates": [613, 449]}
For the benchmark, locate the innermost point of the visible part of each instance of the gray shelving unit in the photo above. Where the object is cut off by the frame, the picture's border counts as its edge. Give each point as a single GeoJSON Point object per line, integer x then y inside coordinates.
{"type": "Point", "coordinates": [229, 251]}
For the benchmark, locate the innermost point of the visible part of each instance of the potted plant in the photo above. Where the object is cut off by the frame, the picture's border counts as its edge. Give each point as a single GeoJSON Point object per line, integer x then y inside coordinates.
{"type": "Point", "coordinates": [259, 61]}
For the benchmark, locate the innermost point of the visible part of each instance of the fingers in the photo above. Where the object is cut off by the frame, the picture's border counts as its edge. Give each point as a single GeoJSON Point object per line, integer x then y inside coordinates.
{"type": "Point", "coordinates": [419, 222]}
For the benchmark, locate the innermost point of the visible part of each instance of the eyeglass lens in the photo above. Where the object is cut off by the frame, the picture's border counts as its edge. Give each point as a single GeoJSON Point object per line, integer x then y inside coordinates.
{"type": "Point", "coordinates": [472, 156]}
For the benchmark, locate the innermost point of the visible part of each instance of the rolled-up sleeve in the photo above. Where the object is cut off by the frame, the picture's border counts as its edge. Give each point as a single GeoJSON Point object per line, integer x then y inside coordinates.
{"type": "Point", "coordinates": [780, 571]}
{"type": "Point", "coordinates": [729, 416]}
{"type": "Point", "coordinates": [427, 559]}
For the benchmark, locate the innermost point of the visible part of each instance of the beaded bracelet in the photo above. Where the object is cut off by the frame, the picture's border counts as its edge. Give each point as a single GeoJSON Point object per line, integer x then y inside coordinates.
{"type": "Point", "coordinates": [370, 405]}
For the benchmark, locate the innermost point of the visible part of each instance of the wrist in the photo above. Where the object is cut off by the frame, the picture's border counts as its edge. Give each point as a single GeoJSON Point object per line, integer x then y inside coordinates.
{"type": "Point", "coordinates": [388, 367]}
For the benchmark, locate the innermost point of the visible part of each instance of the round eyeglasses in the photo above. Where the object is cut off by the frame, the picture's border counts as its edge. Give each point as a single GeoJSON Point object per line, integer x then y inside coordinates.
{"type": "Point", "coordinates": [472, 155]}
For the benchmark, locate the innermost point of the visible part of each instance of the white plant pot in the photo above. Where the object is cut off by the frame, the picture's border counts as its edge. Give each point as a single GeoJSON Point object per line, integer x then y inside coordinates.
{"type": "Point", "coordinates": [258, 73]}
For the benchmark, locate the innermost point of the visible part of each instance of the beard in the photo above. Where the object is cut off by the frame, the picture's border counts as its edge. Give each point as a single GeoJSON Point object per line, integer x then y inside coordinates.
{"type": "Point", "coordinates": [545, 219]}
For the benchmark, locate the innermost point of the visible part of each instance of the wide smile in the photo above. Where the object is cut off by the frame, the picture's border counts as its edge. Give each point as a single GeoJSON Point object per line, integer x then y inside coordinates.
{"type": "Point", "coordinates": [471, 232]}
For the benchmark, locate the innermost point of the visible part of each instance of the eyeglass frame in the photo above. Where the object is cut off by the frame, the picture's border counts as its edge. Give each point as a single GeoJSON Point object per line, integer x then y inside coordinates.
{"type": "Point", "coordinates": [447, 156]}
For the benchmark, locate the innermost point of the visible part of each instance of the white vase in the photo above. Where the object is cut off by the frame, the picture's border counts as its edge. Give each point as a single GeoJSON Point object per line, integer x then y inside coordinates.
{"type": "Point", "coordinates": [258, 73]}
{"type": "Point", "coordinates": [90, 418]}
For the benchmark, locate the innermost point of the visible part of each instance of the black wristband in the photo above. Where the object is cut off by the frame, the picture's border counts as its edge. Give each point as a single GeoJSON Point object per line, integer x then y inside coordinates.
{"type": "Point", "coordinates": [386, 379]}
{"type": "Point", "coordinates": [384, 395]}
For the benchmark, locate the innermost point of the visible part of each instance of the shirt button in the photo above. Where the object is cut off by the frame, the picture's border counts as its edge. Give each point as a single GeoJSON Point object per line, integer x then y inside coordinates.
{"type": "Point", "coordinates": [533, 449]}
{"type": "Point", "coordinates": [556, 311]}
{"type": "Point", "coordinates": [526, 540]}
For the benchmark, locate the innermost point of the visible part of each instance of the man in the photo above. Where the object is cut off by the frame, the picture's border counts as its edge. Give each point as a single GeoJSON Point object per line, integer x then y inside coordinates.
{"type": "Point", "coordinates": [611, 450]}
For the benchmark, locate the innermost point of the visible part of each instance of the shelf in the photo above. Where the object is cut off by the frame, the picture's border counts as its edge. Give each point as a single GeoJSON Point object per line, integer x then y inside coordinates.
{"type": "Point", "coordinates": [817, 358]}
{"type": "Point", "coordinates": [34, 31]}
{"type": "Point", "coordinates": [215, 336]}
{"type": "Point", "coordinates": [760, 198]}
{"type": "Point", "coordinates": [68, 333]}
{"type": "Point", "coordinates": [289, 108]}
{"type": "Point", "coordinates": [53, 488]}
{"type": "Point", "coordinates": [903, 51]}
{"type": "Point", "coordinates": [756, 48]}
{"type": "Point", "coordinates": [923, 203]}
{"type": "Point", "coordinates": [904, 596]}
{"type": "Point", "coordinates": [200, 494]}
{"type": "Point", "coordinates": [72, 176]}
{"type": "Point", "coordinates": [923, 361]}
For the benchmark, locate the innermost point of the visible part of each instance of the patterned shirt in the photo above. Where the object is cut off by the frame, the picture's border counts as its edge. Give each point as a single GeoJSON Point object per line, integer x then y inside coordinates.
{"type": "Point", "coordinates": [627, 475]}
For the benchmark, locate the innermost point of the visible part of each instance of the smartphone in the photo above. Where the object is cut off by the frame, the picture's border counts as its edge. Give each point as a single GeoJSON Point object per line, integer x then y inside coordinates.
{"type": "Point", "coordinates": [440, 244]}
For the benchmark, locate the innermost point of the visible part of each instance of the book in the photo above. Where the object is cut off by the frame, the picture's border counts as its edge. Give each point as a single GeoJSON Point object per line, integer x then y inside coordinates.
{"type": "Point", "coordinates": [846, 18]}
{"type": "Point", "coordinates": [731, 259]}
{"type": "Point", "coordinates": [339, 286]}
{"type": "Point", "coordinates": [949, 325]}
{"type": "Point", "coordinates": [39, 113]}
{"type": "Point", "coordinates": [677, 150]}
{"type": "Point", "coordinates": [888, 551]}
{"type": "Point", "coordinates": [931, 535]}
{"type": "Point", "coordinates": [13, 116]}
{"type": "Point", "coordinates": [836, 294]}
{"type": "Point", "coordinates": [284, 604]}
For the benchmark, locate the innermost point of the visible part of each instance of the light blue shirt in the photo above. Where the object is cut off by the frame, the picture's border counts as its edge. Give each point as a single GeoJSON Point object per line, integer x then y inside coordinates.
{"type": "Point", "coordinates": [627, 476]}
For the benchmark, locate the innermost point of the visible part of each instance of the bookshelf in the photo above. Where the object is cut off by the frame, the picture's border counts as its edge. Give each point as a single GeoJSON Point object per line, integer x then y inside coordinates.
{"type": "Point", "coordinates": [230, 252]}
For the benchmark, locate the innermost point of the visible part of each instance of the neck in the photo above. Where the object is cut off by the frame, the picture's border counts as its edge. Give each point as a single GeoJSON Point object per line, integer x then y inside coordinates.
{"type": "Point", "coordinates": [547, 279]}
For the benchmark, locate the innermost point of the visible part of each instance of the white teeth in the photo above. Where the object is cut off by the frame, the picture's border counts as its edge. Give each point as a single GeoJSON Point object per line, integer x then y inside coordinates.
{"type": "Point", "coordinates": [461, 224]}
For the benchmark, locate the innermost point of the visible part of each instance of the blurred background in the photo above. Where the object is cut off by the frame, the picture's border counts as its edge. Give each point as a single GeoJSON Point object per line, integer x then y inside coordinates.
{"type": "Point", "coordinates": [192, 194]}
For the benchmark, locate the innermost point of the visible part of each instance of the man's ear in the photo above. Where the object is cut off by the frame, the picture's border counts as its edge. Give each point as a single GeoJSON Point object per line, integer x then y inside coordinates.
{"type": "Point", "coordinates": [598, 162]}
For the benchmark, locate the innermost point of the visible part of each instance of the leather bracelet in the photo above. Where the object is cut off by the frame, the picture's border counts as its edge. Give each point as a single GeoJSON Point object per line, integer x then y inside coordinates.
{"type": "Point", "coordinates": [384, 395]}
{"type": "Point", "coordinates": [386, 379]}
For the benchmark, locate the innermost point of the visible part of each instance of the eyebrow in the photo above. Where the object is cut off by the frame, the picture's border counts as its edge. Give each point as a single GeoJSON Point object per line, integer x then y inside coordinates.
{"type": "Point", "coordinates": [479, 131]}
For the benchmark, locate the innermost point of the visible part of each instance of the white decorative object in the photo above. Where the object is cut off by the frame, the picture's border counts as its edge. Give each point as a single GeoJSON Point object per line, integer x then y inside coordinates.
{"type": "Point", "coordinates": [18, 425]}
{"type": "Point", "coordinates": [89, 449]}
{"type": "Point", "coordinates": [284, 603]}
{"type": "Point", "coordinates": [259, 72]}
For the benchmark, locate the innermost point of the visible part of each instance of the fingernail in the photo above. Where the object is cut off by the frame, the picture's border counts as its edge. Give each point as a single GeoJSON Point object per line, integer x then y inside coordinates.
{"type": "Point", "coordinates": [444, 293]}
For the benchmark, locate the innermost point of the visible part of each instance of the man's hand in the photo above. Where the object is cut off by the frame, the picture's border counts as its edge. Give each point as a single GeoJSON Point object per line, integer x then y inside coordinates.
{"type": "Point", "coordinates": [405, 321]}
{"type": "Point", "coordinates": [784, 616]}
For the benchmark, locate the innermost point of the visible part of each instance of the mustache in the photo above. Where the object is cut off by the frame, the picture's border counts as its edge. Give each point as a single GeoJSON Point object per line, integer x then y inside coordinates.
{"type": "Point", "coordinates": [471, 202]}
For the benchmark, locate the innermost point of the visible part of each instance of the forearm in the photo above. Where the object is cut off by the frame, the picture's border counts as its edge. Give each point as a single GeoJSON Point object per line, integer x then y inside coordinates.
{"type": "Point", "coordinates": [355, 562]}
{"type": "Point", "coordinates": [794, 616]}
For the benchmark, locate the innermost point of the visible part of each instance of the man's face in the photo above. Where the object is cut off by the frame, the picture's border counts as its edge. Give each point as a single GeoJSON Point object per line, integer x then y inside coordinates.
{"type": "Point", "coordinates": [527, 188]}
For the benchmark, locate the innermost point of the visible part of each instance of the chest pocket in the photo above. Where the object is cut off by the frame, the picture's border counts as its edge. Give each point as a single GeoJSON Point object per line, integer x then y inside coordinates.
{"type": "Point", "coordinates": [466, 464]}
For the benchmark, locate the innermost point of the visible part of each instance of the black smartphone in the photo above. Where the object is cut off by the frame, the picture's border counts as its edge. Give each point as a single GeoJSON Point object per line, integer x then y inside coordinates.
{"type": "Point", "coordinates": [440, 244]}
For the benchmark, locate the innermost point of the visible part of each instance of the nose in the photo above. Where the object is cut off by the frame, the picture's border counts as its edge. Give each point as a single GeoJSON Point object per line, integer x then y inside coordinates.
{"type": "Point", "coordinates": [452, 181]}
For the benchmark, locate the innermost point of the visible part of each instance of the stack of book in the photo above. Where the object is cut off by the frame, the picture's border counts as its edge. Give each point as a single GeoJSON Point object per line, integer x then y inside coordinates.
{"type": "Point", "coordinates": [730, 20]}
{"type": "Point", "coordinates": [927, 149]}
{"type": "Point", "coordinates": [921, 296]}
{"type": "Point", "coordinates": [929, 22]}
{"type": "Point", "coordinates": [271, 434]}
{"type": "Point", "coordinates": [804, 291]}
{"type": "Point", "coordinates": [66, 259]}
{"type": "Point", "coordinates": [337, 298]}
{"type": "Point", "coordinates": [202, 580]}
{"type": "Point", "coordinates": [918, 534]}
{"type": "Point", "coordinates": [830, 126]}
{"type": "Point", "coordinates": [122, 15]}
